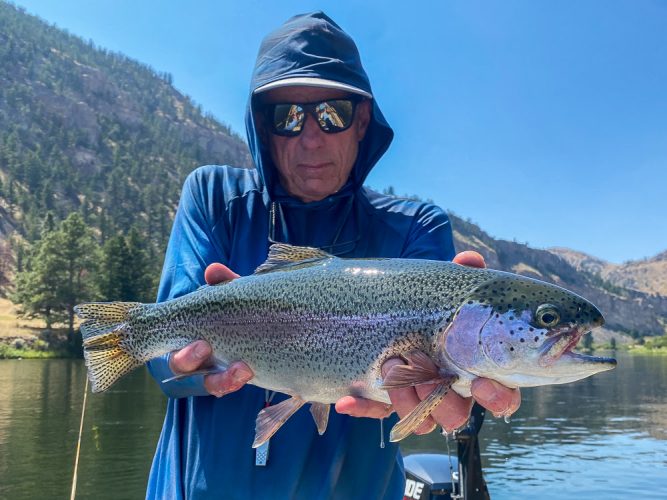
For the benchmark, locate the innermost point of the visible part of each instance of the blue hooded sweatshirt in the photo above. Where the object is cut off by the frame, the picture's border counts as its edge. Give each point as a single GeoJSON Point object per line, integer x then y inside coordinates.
{"type": "Point", "coordinates": [231, 215]}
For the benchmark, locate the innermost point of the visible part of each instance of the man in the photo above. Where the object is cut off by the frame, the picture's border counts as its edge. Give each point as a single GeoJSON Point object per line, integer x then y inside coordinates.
{"type": "Point", "coordinates": [307, 189]}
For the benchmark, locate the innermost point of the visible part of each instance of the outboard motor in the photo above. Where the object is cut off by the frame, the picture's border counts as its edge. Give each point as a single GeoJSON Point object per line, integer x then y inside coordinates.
{"type": "Point", "coordinates": [428, 477]}
{"type": "Point", "coordinates": [444, 477]}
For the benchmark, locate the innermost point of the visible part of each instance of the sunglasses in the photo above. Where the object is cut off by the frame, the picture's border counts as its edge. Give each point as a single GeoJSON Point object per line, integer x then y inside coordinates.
{"type": "Point", "coordinates": [332, 115]}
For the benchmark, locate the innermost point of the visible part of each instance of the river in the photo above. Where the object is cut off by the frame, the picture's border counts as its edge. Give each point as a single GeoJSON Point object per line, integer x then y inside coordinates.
{"type": "Point", "coordinates": [603, 437]}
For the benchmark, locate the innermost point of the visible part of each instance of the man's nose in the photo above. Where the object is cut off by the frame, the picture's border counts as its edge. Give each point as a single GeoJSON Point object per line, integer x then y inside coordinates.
{"type": "Point", "coordinates": [312, 135]}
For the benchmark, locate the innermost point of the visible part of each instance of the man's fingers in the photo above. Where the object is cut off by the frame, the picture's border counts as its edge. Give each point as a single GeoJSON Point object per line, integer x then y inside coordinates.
{"type": "Point", "coordinates": [360, 407]}
{"type": "Point", "coordinates": [452, 412]}
{"type": "Point", "coordinates": [191, 357]}
{"type": "Point", "coordinates": [405, 399]}
{"type": "Point", "coordinates": [232, 379]}
{"type": "Point", "coordinates": [217, 273]}
{"type": "Point", "coordinates": [469, 258]}
{"type": "Point", "coordinates": [498, 399]}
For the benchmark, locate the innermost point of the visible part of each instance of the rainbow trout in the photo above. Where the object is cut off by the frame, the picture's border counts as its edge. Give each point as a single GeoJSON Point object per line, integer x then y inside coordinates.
{"type": "Point", "coordinates": [319, 327]}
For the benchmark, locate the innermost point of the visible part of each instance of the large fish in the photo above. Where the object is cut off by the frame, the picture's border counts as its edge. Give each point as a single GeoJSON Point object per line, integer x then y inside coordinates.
{"type": "Point", "coordinates": [318, 327]}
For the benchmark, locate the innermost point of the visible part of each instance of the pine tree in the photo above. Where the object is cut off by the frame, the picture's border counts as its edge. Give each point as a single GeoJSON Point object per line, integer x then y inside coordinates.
{"type": "Point", "coordinates": [59, 273]}
{"type": "Point", "coordinates": [113, 280]}
{"type": "Point", "coordinates": [80, 253]}
{"type": "Point", "coordinates": [142, 272]}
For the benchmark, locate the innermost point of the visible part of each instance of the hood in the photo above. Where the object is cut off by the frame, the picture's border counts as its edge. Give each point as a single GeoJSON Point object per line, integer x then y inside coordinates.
{"type": "Point", "coordinates": [314, 46]}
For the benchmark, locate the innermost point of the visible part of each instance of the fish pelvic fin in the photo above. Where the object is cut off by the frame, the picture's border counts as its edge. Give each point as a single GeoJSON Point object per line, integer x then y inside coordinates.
{"type": "Point", "coordinates": [103, 330]}
{"type": "Point", "coordinates": [320, 413]}
{"type": "Point", "coordinates": [284, 257]}
{"type": "Point", "coordinates": [408, 424]}
{"type": "Point", "coordinates": [271, 418]}
{"type": "Point", "coordinates": [419, 370]}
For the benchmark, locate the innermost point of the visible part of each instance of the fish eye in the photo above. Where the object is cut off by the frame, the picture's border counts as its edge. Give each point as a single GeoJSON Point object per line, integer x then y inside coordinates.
{"type": "Point", "coordinates": [547, 315]}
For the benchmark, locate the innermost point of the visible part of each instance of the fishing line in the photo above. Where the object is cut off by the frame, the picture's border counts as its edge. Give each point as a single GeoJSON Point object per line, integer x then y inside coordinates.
{"type": "Point", "coordinates": [78, 443]}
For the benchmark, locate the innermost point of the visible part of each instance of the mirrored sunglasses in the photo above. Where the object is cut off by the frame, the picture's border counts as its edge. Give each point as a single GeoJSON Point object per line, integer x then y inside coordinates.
{"type": "Point", "coordinates": [332, 116]}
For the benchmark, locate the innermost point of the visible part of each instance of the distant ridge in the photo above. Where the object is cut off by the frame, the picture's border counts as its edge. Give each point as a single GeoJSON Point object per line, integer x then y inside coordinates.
{"type": "Point", "coordinates": [629, 305]}
{"type": "Point", "coordinates": [647, 275]}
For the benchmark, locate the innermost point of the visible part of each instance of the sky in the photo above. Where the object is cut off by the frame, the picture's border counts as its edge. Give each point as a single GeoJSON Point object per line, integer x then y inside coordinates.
{"type": "Point", "coordinates": [544, 122]}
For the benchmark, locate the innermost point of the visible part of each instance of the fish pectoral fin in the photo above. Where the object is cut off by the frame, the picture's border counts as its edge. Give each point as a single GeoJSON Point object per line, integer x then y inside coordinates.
{"type": "Point", "coordinates": [320, 413]}
{"type": "Point", "coordinates": [271, 418]}
{"type": "Point", "coordinates": [419, 370]}
{"type": "Point", "coordinates": [414, 419]}
{"type": "Point", "coordinates": [283, 257]}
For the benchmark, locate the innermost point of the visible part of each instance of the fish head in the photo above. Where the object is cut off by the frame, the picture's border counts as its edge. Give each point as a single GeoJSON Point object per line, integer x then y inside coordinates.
{"type": "Point", "coordinates": [522, 332]}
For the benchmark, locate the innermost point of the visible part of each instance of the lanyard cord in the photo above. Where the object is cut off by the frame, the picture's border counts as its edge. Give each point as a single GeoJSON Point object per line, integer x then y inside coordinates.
{"type": "Point", "coordinates": [277, 207]}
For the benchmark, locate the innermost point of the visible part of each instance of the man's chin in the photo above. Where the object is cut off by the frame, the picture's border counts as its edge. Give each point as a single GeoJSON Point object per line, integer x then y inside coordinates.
{"type": "Point", "coordinates": [315, 190]}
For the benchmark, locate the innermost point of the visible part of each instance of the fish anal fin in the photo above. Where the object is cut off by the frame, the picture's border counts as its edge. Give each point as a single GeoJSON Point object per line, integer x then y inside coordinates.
{"type": "Point", "coordinates": [420, 370]}
{"type": "Point", "coordinates": [283, 257]}
{"type": "Point", "coordinates": [416, 417]}
{"type": "Point", "coordinates": [271, 418]}
{"type": "Point", "coordinates": [320, 413]}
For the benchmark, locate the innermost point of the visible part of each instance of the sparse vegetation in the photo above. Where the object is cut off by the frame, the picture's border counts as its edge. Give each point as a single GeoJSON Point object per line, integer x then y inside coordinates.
{"type": "Point", "coordinates": [652, 345]}
{"type": "Point", "coordinates": [86, 130]}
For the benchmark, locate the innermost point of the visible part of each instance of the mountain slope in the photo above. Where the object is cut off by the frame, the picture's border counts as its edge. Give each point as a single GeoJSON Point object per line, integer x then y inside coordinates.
{"type": "Point", "coordinates": [646, 275]}
{"type": "Point", "coordinates": [627, 310]}
{"type": "Point", "coordinates": [85, 129]}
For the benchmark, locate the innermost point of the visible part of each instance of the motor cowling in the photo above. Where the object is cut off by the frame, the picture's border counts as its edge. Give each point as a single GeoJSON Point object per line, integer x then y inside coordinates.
{"type": "Point", "coordinates": [429, 476]}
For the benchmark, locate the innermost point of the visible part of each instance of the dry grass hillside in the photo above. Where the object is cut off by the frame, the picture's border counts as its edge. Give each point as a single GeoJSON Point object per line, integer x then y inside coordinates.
{"type": "Point", "coordinates": [646, 275]}
{"type": "Point", "coordinates": [11, 325]}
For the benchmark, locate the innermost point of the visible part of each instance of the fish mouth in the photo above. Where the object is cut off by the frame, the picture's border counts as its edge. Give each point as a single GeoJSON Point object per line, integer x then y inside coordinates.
{"type": "Point", "coordinates": [560, 345]}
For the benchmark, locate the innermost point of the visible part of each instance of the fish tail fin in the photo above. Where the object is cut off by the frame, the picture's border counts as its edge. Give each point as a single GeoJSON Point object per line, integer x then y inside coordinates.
{"type": "Point", "coordinates": [104, 329]}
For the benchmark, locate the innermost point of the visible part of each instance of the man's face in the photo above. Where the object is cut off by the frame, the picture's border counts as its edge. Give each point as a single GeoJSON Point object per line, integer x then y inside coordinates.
{"type": "Point", "coordinates": [314, 164]}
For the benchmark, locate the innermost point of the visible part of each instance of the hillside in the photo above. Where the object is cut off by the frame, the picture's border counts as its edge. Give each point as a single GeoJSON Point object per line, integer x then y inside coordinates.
{"type": "Point", "coordinates": [646, 275]}
{"type": "Point", "coordinates": [628, 310]}
{"type": "Point", "coordinates": [83, 129]}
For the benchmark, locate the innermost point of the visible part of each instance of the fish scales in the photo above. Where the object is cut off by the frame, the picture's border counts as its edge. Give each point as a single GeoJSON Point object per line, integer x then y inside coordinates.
{"type": "Point", "coordinates": [305, 324]}
{"type": "Point", "coordinates": [319, 327]}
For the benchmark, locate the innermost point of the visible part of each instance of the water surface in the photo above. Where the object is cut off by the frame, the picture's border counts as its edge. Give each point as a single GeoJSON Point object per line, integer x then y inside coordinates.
{"type": "Point", "coordinates": [603, 437]}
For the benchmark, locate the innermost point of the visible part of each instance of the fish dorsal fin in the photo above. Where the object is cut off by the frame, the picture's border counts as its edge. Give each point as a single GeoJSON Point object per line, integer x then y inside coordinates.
{"type": "Point", "coordinates": [283, 257]}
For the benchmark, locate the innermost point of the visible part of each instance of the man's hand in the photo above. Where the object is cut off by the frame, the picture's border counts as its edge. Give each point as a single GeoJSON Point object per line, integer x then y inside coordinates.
{"type": "Point", "coordinates": [199, 354]}
{"type": "Point", "coordinates": [454, 410]}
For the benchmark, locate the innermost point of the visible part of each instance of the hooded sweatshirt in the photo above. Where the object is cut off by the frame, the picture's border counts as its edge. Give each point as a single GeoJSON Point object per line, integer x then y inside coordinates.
{"type": "Point", "coordinates": [232, 215]}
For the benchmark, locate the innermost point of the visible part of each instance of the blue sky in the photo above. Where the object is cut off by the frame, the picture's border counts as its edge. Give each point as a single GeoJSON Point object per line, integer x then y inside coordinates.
{"type": "Point", "coordinates": [540, 121]}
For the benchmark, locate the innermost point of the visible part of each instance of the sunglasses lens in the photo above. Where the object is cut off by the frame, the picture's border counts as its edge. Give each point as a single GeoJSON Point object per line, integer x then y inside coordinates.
{"type": "Point", "coordinates": [332, 116]}
{"type": "Point", "coordinates": [288, 119]}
